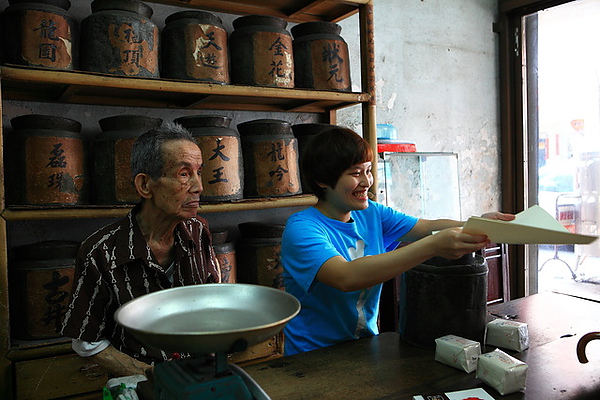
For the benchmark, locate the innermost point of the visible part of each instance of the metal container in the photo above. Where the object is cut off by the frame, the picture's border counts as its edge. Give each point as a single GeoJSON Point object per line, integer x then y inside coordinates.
{"type": "Point", "coordinates": [225, 252]}
{"type": "Point", "coordinates": [261, 52]}
{"type": "Point", "coordinates": [42, 276]}
{"type": "Point", "coordinates": [226, 255]}
{"type": "Point", "coordinates": [258, 253]}
{"type": "Point", "coordinates": [112, 157]}
{"type": "Point", "coordinates": [39, 33]}
{"type": "Point", "coordinates": [194, 46]}
{"type": "Point", "coordinates": [442, 297]}
{"type": "Point", "coordinates": [223, 173]}
{"type": "Point", "coordinates": [271, 167]}
{"type": "Point", "coordinates": [321, 59]}
{"type": "Point", "coordinates": [120, 38]}
{"type": "Point", "coordinates": [46, 161]}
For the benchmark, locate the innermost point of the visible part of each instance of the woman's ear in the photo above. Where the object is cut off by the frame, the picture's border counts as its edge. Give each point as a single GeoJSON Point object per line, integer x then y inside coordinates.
{"type": "Point", "coordinates": [142, 185]}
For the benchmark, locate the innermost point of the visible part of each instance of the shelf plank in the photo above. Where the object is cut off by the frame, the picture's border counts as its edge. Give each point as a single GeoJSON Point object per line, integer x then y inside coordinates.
{"type": "Point", "coordinates": [27, 213]}
{"type": "Point", "coordinates": [290, 10]}
{"type": "Point", "coordinates": [79, 87]}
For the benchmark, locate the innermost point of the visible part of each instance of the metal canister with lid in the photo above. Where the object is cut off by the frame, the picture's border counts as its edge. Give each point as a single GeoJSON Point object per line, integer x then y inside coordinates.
{"type": "Point", "coordinates": [321, 57]}
{"type": "Point", "coordinates": [46, 161]}
{"type": "Point", "coordinates": [258, 252]}
{"type": "Point", "coordinates": [42, 275]}
{"type": "Point", "coordinates": [40, 33]}
{"type": "Point", "coordinates": [112, 154]}
{"type": "Point", "coordinates": [120, 38]}
{"type": "Point", "coordinates": [441, 297]}
{"type": "Point", "coordinates": [194, 47]}
{"type": "Point", "coordinates": [223, 173]}
{"type": "Point", "coordinates": [225, 252]}
{"type": "Point", "coordinates": [270, 151]}
{"type": "Point", "coordinates": [261, 52]}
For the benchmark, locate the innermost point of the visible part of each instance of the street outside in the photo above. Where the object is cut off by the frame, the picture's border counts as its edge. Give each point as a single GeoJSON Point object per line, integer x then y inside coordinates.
{"type": "Point", "coordinates": [554, 272]}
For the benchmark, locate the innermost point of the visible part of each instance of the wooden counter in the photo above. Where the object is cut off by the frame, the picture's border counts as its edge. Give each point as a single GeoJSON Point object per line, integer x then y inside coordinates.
{"type": "Point", "coordinates": [385, 367]}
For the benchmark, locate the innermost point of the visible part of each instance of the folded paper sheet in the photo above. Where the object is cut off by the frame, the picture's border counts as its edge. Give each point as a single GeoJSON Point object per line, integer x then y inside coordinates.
{"type": "Point", "coordinates": [532, 226]}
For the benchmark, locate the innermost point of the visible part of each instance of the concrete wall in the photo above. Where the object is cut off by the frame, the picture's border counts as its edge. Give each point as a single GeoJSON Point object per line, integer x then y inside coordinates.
{"type": "Point", "coordinates": [437, 84]}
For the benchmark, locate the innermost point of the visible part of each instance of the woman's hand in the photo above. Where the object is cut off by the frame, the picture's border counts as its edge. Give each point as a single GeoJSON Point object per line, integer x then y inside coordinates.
{"type": "Point", "coordinates": [499, 216]}
{"type": "Point", "coordinates": [453, 243]}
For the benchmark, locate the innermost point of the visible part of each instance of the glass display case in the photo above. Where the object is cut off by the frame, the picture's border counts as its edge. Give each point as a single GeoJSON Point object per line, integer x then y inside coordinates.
{"type": "Point", "coordinates": [422, 184]}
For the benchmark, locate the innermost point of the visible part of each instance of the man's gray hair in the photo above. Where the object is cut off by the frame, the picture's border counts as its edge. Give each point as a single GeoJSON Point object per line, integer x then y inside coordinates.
{"type": "Point", "coordinates": [147, 154]}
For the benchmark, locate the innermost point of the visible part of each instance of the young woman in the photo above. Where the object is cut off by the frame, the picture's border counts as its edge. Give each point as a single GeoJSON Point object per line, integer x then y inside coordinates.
{"type": "Point", "coordinates": [334, 255]}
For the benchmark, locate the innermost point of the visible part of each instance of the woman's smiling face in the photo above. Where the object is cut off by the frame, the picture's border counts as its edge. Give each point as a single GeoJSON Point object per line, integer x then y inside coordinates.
{"type": "Point", "coordinates": [351, 189]}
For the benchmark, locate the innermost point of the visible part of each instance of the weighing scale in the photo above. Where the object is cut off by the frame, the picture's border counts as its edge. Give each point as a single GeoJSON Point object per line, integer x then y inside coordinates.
{"type": "Point", "coordinates": [208, 321]}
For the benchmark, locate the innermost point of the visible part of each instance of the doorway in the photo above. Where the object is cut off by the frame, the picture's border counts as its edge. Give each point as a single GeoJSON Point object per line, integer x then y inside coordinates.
{"type": "Point", "coordinates": [561, 117]}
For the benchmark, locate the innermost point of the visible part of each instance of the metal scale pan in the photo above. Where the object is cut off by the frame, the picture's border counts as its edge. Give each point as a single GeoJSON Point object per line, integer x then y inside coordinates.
{"type": "Point", "coordinates": [205, 319]}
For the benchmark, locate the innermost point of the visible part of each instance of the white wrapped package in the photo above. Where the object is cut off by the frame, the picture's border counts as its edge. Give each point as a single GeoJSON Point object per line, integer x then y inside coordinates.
{"type": "Point", "coordinates": [457, 352]}
{"type": "Point", "coordinates": [511, 335]}
{"type": "Point", "coordinates": [504, 373]}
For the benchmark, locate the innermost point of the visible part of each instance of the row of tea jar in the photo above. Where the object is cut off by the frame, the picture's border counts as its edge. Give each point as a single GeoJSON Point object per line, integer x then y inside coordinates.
{"type": "Point", "coordinates": [119, 38]}
{"type": "Point", "coordinates": [46, 158]}
{"type": "Point", "coordinates": [41, 274]}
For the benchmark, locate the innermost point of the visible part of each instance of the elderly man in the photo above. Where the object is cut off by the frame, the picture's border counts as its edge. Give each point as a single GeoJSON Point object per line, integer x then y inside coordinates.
{"type": "Point", "coordinates": [161, 243]}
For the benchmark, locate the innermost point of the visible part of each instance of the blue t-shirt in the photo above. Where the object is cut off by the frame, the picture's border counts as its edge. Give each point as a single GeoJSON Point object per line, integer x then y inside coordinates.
{"type": "Point", "coordinates": [329, 316]}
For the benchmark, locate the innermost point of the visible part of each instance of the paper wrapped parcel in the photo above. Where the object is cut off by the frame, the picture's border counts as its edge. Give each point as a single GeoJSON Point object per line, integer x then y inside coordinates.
{"type": "Point", "coordinates": [511, 335]}
{"type": "Point", "coordinates": [532, 226]}
{"type": "Point", "coordinates": [457, 352]}
{"type": "Point", "coordinates": [504, 373]}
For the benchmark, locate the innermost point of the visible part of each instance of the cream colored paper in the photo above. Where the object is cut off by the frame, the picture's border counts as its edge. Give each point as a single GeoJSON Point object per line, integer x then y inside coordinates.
{"type": "Point", "coordinates": [532, 226]}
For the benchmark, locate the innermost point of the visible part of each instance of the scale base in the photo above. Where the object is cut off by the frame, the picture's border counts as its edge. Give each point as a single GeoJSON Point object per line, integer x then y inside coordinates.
{"type": "Point", "coordinates": [192, 379]}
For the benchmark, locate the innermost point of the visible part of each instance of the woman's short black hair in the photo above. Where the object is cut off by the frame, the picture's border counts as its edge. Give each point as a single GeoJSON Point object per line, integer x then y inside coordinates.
{"type": "Point", "coordinates": [330, 153]}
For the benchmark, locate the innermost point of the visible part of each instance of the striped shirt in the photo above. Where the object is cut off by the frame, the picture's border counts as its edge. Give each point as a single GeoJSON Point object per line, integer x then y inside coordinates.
{"type": "Point", "coordinates": [115, 265]}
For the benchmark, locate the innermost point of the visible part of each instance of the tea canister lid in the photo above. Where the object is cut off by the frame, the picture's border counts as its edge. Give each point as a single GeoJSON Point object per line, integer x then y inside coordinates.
{"type": "Point", "coordinates": [129, 121]}
{"type": "Point", "coordinates": [37, 121]}
{"type": "Point", "coordinates": [204, 16]}
{"type": "Point", "coordinates": [264, 127]}
{"type": "Point", "coordinates": [259, 20]}
{"type": "Point", "coordinates": [316, 27]}
{"type": "Point", "coordinates": [261, 229]}
{"type": "Point", "coordinates": [194, 121]}
{"type": "Point", "coordinates": [310, 128]}
{"type": "Point", "coordinates": [133, 6]}
{"type": "Point", "coordinates": [64, 4]}
{"type": "Point", "coordinates": [47, 250]}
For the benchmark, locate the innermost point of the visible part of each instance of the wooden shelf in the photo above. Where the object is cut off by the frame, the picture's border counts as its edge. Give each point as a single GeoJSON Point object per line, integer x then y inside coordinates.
{"type": "Point", "coordinates": [290, 10]}
{"type": "Point", "coordinates": [29, 349]}
{"type": "Point", "coordinates": [25, 213]}
{"type": "Point", "coordinates": [78, 87]}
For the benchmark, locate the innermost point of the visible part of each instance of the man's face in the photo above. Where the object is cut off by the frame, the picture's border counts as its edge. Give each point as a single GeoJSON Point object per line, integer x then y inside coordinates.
{"type": "Point", "coordinates": [177, 191]}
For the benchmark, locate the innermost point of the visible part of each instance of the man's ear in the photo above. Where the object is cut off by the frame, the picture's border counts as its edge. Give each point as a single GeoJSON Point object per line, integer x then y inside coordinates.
{"type": "Point", "coordinates": [142, 185]}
